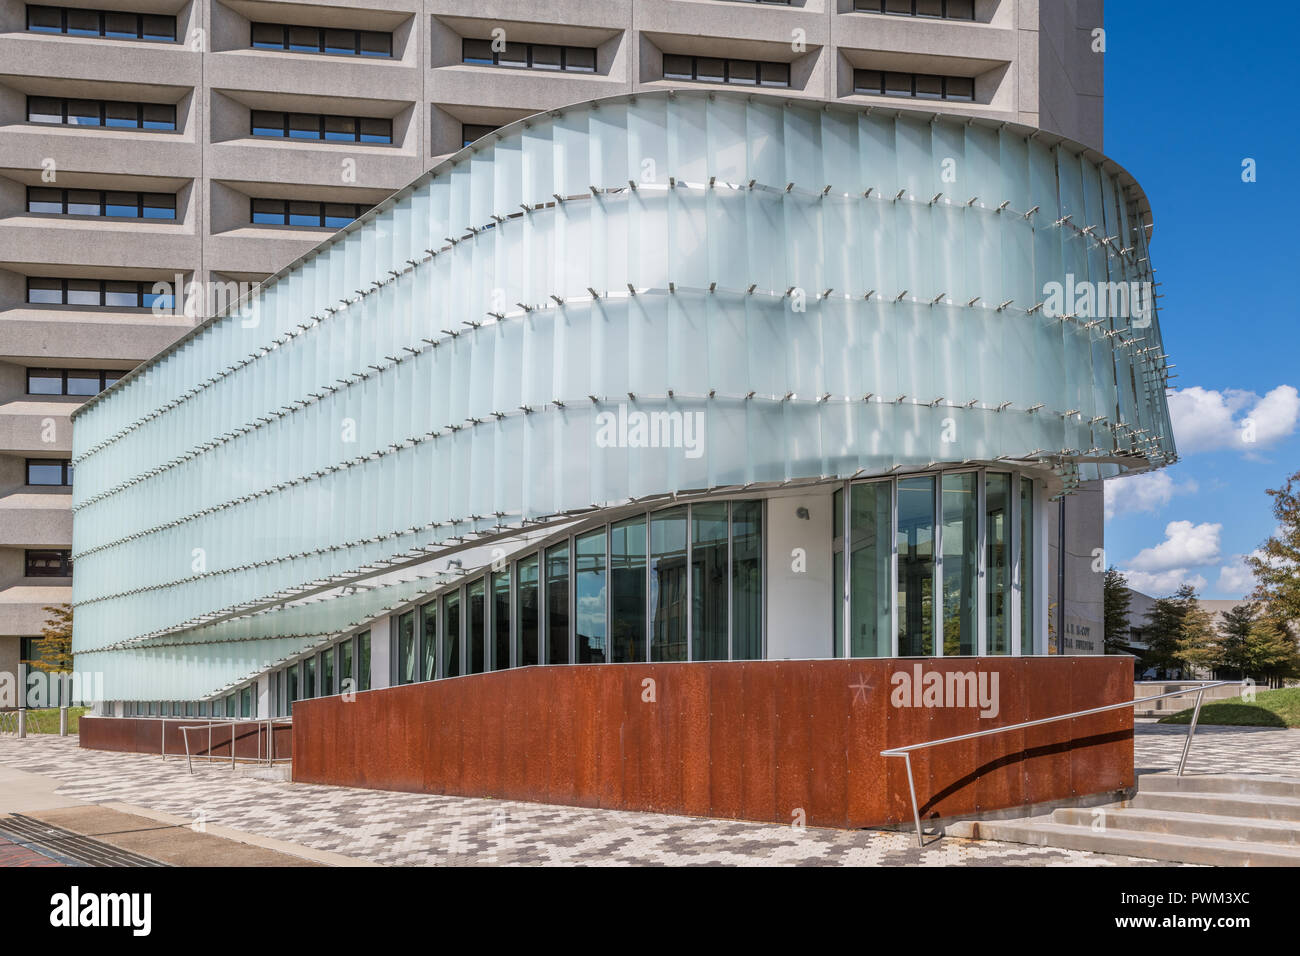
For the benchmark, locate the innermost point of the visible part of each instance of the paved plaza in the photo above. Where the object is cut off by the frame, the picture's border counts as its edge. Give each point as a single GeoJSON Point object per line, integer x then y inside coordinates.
{"type": "Point", "coordinates": [424, 829]}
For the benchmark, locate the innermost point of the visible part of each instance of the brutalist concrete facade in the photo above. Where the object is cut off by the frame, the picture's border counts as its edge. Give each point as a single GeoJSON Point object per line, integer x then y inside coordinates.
{"type": "Point", "coordinates": [1032, 63]}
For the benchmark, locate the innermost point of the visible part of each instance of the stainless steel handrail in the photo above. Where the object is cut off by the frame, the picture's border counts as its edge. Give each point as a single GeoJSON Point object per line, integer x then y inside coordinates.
{"type": "Point", "coordinates": [260, 722]}
{"type": "Point", "coordinates": [906, 752]}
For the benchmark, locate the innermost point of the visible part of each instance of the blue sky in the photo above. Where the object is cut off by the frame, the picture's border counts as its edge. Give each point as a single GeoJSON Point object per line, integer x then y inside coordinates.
{"type": "Point", "coordinates": [1192, 90]}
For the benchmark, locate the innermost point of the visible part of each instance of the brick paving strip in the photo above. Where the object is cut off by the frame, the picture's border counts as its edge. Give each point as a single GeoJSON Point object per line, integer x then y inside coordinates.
{"type": "Point", "coordinates": [428, 829]}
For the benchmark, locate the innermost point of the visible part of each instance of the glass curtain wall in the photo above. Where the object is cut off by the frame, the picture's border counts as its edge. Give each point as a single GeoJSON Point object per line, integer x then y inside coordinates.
{"type": "Point", "coordinates": [557, 604]}
{"type": "Point", "coordinates": [529, 634]}
{"type": "Point", "coordinates": [709, 581]}
{"type": "Point", "coordinates": [915, 543]}
{"type": "Point", "coordinates": [404, 660]}
{"type": "Point", "coordinates": [451, 635]}
{"type": "Point", "coordinates": [1027, 583]}
{"type": "Point", "coordinates": [429, 641]}
{"type": "Point", "coordinates": [746, 580]}
{"type": "Point", "coordinates": [997, 563]}
{"type": "Point", "coordinates": [668, 592]}
{"type": "Point", "coordinates": [871, 523]}
{"type": "Point", "coordinates": [476, 635]}
{"type": "Point", "coordinates": [589, 591]}
{"type": "Point", "coordinates": [627, 594]}
{"type": "Point", "coordinates": [500, 620]}
{"type": "Point", "coordinates": [363, 661]}
{"type": "Point", "coordinates": [960, 564]}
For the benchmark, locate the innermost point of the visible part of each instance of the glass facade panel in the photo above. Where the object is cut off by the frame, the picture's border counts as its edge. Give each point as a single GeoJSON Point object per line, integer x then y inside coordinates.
{"type": "Point", "coordinates": [997, 563]}
{"type": "Point", "coordinates": [668, 603]}
{"type": "Point", "coordinates": [327, 673]}
{"type": "Point", "coordinates": [746, 580]}
{"type": "Point", "coordinates": [451, 635]}
{"type": "Point", "coordinates": [839, 604]}
{"type": "Point", "coordinates": [627, 609]}
{"type": "Point", "coordinates": [870, 572]}
{"type": "Point", "coordinates": [528, 597]}
{"type": "Point", "coordinates": [429, 641]}
{"type": "Point", "coordinates": [500, 621]}
{"type": "Point", "coordinates": [589, 591]}
{"type": "Point", "coordinates": [476, 635]}
{"type": "Point", "coordinates": [363, 661]}
{"type": "Point", "coordinates": [404, 659]}
{"type": "Point", "coordinates": [1027, 642]}
{"type": "Point", "coordinates": [960, 565]}
{"type": "Point", "coordinates": [915, 544]}
{"type": "Point", "coordinates": [347, 680]}
{"type": "Point", "coordinates": [709, 581]}
{"type": "Point", "coordinates": [557, 605]}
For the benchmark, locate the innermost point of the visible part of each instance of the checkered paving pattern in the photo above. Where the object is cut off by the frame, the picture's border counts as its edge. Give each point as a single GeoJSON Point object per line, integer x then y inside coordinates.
{"type": "Point", "coordinates": [427, 829]}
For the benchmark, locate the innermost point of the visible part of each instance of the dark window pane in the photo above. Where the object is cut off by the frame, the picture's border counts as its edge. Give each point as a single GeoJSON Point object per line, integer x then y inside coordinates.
{"type": "Point", "coordinates": [122, 115]}
{"type": "Point", "coordinates": [122, 205]}
{"type": "Point", "coordinates": [898, 84]}
{"type": "Point", "coordinates": [476, 626]}
{"type": "Point", "coordinates": [868, 81]}
{"type": "Point", "coordinates": [915, 548]}
{"type": "Point", "coordinates": [44, 19]}
{"type": "Point", "coordinates": [269, 212]}
{"type": "Point", "coordinates": [122, 295]}
{"type": "Point", "coordinates": [44, 109]}
{"type": "Point", "coordinates": [710, 69]}
{"type": "Point", "coordinates": [668, 607]}
{"type": "Point", "coordinates": [44, 381]}
{"type": "Point", "coordinates": [159, 27]}
{"type": "Point", "coordinates": [156, 300]}
{"type": "Point", "coordinates": [82, 382]}
{"type": "Point", "coordinates": [960, 9]}
{"type": "Point", "coordinates": [304, 39]}
{"type": "Point", "coordinates": [159, 206]}
{"type": "Point", "coordinates": [45, 472]}
{"type": "Point", "coordinates": [83, 112]}
{"type": "Point", "coordinates": [304, 214]}
{"type": "Point", "coordinates": [376, 131]}
{"type": "Point", "coordinates": [903, 7]}
{"type": "Point", "coordinates": [515, 54]}
{"type": "Point", "coordinates": [961, 88]}
{"type": "Point", "coordinates": [677, 67]}
{"type": "Point", "coordinates": [45, 200]}
{"type": "Point", "coordinates": [743, 72]}
{"type": "Point", "coordinates": [123, 26]}
{"type": "Point", "coordinates": [83, 292]}
{"type": "Point", "coordinates": [406, 649]}
{"type": "Point", "coordinates": [627, 590]}
{"type": "Point", "coordinates": [83, 202]}
{"type": "Point", "coordinates": [340, 41]}
{"type": "Point", "coordinates": [477, 51]}
{"type": "Point", "coordinates": [304, 126]}
{"type": "Point", "coordinates": [527, 607]}
{"type": "Point", "coordinates": [83, 23]}
{"type": "Point", "coordinates": [473, 131]}
{"type": "Point", "coordinates": [268, 36]}
{"type": "Point", "coordinates": [451, 635]}
{"type": "Point", "coordinates": [342, 128]}
{"type": "Point", "coordinates": [429, 641]}
{"type": "Point", "coordinates": [111, 377]}
{"type": "Point", "coordinates": [929, 8]}
{"type": "Point", "coordinates": [589, 592]}
{"type": "Point", "coordinates": [709, 581]}
{"type": "Point", "coordinates": [547, 57]}
{"type": "Point", "coordinates": [338, 215]}
{"type": "Point", "coordinates": [47, 291]}
{"type": "Point", "coordinates": [776, 74]}
{"type": "Point", "coordinates": [580, 59]}
{"type": "Point", "coordinates": [557, 605]}
{"type": "Point", "coordinates": [929, 87]}
{"type": "Point", "coordinates": [376, 44]}
{"type": "Point", "coordinates": [500, 621]}
{"type": "Point", "coordinates": [268, 124]}
{"type": "Point", "coordinates": [47, 564]}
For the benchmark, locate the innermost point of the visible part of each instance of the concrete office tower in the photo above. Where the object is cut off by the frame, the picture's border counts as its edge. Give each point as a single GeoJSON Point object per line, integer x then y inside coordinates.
{"type": "Point", "coordinates": [215, 142]}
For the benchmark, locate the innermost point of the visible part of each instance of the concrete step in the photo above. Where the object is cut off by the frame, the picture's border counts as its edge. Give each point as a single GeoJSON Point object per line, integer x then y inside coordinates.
{"type": "Point", "coordinates": [1151, 846]}
{"type": "Point", "coordinates": [1200, 825]}
{"type": "Point", "coordinates": [1220, 783]}
{"type": "Point", "coordinates": [1253, 806]}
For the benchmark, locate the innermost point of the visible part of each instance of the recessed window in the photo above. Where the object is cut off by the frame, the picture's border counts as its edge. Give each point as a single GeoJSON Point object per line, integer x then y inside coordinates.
{"type": "Point", "coordinates": [314, 126]}
{"type": "Point", "coordinates": [279, 36]}
{"type": "Point", "coordinates": [925, 86]}
{"type": "Point", "coordinates": [101, 113]}
{"type": "Point", "coordinates": [113, 25]}
{"type": "Point", "coordinates": [70, 381]}
{"type": "Point", "coordinates": [293, 212]}
{"type": "Point", "coordinates": [95, 202]}
{"type": "Point", "coordinates": [708, 69]}
{"type": "Point", "coordinates": [47, 564]}
{"type": "Point", "coordinates": [529, 56]}
{"type": "Point", "coordinates": [936, 9]}
{"type": "Point", "coordinates": [49, 471]}
{"type": "Point", "coordinates": [469, 132]}
{"type": "Point", "coordinates": [98, 293]}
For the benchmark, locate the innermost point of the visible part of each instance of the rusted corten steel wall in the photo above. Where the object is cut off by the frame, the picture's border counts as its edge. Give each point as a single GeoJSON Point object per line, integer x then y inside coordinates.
{"type": "Point", "coordinates": [148, 735]}
{"type": "Point", "coordinates": [760, 740]}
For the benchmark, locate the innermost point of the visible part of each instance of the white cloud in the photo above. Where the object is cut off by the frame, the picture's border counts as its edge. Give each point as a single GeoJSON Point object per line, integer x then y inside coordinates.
{"type": "Point", "coordinates": [1185, 545]}
{"type": "Point", "coordinates": [1237, 578]}
{"type": "Point", "coordinates": [1206, 420]}
{"type": "Point", "coordinates": [1162, 583]}
{"type": "Point", "coordinates": [1149, 491]}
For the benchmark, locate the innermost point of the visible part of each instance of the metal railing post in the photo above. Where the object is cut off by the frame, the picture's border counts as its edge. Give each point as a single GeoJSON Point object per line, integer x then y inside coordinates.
{"type": "Point", "coordinates": [63, 721]}
{"type": "Point", "coordinates": [1191, 729]}
{"type": "Point", "coordinates": [916, 812]}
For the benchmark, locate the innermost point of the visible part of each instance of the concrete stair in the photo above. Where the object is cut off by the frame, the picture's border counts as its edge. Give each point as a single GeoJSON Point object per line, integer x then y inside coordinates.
{"type": "Point", "coordinates": [1215, 820]}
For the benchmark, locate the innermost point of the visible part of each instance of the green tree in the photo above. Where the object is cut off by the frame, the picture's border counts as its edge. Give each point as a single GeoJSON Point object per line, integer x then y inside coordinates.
{"type": "Point", "coordinates": [54, 649]}
{"type": "Point", "coordinates": [1234, 637]}
{"type": "Point", "coordinates": [1198, 643]}
{"type": "Point", "coordinates": [1271, 652]}
{"type": "Point", "coordinates": [1165, 629]}
{"type": "Point", "coordinates": [1116, 601]}
{"type": "Point", "coordinates": [1277, 563]}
